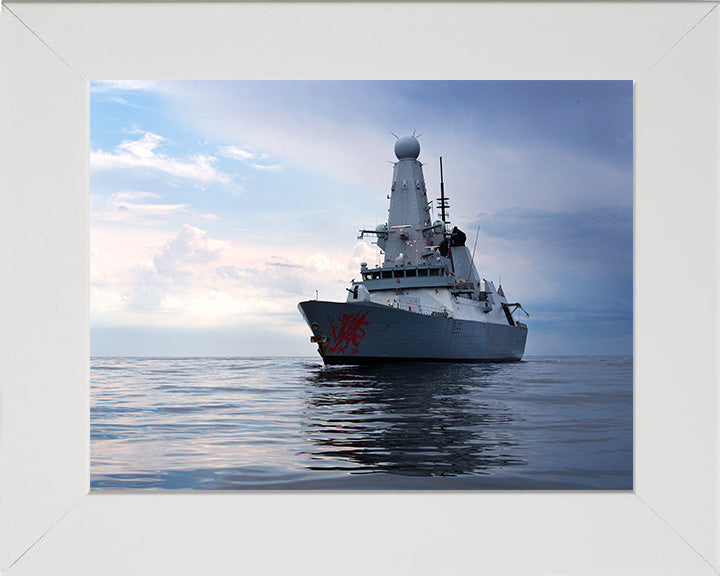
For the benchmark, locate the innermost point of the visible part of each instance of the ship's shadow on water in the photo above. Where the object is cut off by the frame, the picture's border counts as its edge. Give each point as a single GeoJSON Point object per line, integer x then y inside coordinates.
{"type": "Point", "coordinates": [411, 419]}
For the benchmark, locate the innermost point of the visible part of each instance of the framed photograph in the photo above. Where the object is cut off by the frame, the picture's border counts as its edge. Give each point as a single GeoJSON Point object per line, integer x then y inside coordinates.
{"type": "Point", "coordinates": [49, 519]}
{"type": "Point", "coordinates": [230, 349]}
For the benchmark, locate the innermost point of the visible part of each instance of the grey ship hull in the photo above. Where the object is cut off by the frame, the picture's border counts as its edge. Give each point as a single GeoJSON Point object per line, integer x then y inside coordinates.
{"type": "Point", "coordinates": [361, 333]}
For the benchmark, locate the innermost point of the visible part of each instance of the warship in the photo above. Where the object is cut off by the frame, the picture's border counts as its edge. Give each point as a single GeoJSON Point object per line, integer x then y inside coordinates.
{"type": "Point", "coordinates": [426, 300]}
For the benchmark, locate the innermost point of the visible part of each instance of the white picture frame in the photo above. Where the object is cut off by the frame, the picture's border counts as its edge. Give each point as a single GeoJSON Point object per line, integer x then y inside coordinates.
{"type": "Point", "coordinates": [50, 523]}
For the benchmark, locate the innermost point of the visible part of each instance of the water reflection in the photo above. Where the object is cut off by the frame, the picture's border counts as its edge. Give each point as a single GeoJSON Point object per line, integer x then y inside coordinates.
{"type": "Point", "coordinates": [409, 419]}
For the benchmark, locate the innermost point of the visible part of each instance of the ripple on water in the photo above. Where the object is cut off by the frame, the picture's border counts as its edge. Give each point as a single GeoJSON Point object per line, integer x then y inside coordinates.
{"type": "Point", "coordinates": [254, 423]}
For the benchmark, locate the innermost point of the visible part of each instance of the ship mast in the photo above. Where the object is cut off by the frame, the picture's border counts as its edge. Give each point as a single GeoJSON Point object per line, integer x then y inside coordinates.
{"type": "Point", "coordinates": [443, 216]}
{"type": "Point", "coordinates": [442, 200]}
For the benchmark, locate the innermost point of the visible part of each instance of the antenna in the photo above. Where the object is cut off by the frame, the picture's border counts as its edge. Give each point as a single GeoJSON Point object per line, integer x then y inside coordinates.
{"type": "Point", "coordinates": [393, 133]}
{"type": "Point", "coordinates": [442, 200]}
{"type": "Point", "coordinates": [472, 259]}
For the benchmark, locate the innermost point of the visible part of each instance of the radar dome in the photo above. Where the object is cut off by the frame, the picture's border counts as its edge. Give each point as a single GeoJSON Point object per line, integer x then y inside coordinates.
{"type": "Point", "coordinates": [407, 147]}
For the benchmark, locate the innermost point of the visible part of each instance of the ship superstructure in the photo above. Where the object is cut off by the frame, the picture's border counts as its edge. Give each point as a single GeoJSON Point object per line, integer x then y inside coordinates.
{"type": "Point", "coordinates": [425, 301]}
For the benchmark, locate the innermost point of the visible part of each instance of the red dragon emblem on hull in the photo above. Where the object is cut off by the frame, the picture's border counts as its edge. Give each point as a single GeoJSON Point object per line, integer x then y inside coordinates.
{"type": "Point", "coordinates": [348, 332]}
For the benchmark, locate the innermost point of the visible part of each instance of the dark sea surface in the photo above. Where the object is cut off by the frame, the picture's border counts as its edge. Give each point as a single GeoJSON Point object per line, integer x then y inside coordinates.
{"type": "Point", "coordinates": [291, 423]}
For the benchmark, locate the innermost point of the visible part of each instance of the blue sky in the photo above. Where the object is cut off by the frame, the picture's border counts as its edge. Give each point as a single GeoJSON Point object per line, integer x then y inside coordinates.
{"type": "Point", "coordinates": [217, 206]}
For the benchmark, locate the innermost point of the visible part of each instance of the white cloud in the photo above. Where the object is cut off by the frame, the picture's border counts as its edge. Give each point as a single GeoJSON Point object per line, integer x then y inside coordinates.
{"type": "Point", "coordinates": [237, 153]}
{"type": "Point", "coordinates": [133, 195]}
{"type": "Point", "coordinates": [190, 248]}
{"type": "Point", "coordinates": [363, 252]}
{"type": "Point", "coordinates": [153, 209]}
{"type": "Point", "coordinates": [122, 207]}
{"type": "Point", "coordinates": [268, 168]}
{"type": "Point", "coordinates": [191, 279]}
{"type": "Point", "coordinates": [136, 208]}
{"type": "Point", "coordinates": [142, 153]}
{"type": "Point", "coordinates": [122, 85]}
{"type": "Point", "coordinates": [113, 254]}
{"type": "Point", "coordinates": [122, 92]}
{"type": "Point", "coordinates": [177, 265]}
{"type": "Point", "coordinates": [624, 139]}
{"type": "Point", "coordinates": [245, 156]}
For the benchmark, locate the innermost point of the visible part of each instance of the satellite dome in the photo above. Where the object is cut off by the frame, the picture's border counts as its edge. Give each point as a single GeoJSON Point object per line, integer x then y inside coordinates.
{"type": "Point", "coordinates": [407, 147]}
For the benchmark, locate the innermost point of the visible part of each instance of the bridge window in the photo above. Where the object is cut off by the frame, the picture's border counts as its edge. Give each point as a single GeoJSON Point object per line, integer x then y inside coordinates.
{"type": "Point", "coordinates": [434, 272]}
{"type": "Point", "coordinates": [387, 273]}
{"type": "Point", "coordinates": [398, 273]}
{"type": "Point", "coordinates": [410, 273]}
{"type": "Point", "coordinates": [422, 272]}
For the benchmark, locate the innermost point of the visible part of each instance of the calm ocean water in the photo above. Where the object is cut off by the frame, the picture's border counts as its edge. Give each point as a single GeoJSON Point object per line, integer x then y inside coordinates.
{"type": "Point", "coordinates": [291, 423]}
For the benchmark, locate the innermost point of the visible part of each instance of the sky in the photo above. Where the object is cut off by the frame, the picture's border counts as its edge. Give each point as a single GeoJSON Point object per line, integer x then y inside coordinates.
{"type": "Point", "coordinates": [217, 206]}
